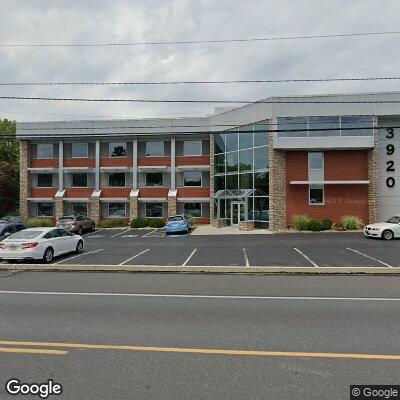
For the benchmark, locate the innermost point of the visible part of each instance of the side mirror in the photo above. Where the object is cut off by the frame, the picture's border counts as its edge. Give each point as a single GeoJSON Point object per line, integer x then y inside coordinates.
{"type": "Point", "coordinates": [6, 235]}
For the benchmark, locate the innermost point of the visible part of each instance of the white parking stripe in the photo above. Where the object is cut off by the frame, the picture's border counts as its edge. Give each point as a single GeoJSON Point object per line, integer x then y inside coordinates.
{"type": "Point", "coordinates": [307, 258]}
{"type": "Point", "coordinates": [91, 233]}
{"type": "Point", "coordinates": [120, 233]}
{"type": "Point", "coordinates": [246, 259]}
{"type": "Point", "coordinates": [191, 255]}
{"type": "Point", "coordinates": [372, 258]}
{"type": "Point", "coordinates": [79, 255]}
{"type": "Point", "coordinates": [137, 255]}
{"type": "Point", "coordinates": [149, 233]}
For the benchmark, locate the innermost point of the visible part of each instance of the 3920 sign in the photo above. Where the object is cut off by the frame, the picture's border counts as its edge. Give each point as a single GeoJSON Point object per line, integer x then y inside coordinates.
{"type": "Point", "coordinates": [390, 148]}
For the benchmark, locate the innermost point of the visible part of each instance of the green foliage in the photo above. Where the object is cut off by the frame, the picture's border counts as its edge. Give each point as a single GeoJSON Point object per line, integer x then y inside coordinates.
{"type": "Point", "coordinates": [113, 223]}
{"type": "Point", "coordinates": [156, 223]}
{"type": "Point", "coordinates": [150, 222]}
{"type": "Point", "coordinates": [338, 226]}
{"type": "Point", "coordinates": [40, 222]}
{"type": "Point", "coordinates": [315, 226]}
{"type": "Point", "coordinates": [351, 223]}
{"type": "Point", "coordinates": [300, 222]}
{"type": "Point", "coordinates": [326, 224]}
{"type": "Point", "coordinates": [9, 167]}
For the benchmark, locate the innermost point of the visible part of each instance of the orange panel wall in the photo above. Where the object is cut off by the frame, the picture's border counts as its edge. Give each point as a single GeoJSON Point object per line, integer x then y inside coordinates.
{"type": "Point", "coordinates": [115, 192]}
{"type": "Point", "coordinates": [43, 192]}
{"type": "Point", "coordinates": [192, 160]}
{"type": "Point", "coordinates": [154, 192]}
{"type": "Point", "coordinates": [78, 192]}
{"type": "Point", "coordinates": [44, 163]}
{"type": "Point", "coordinates": [80, 162]}
{"type": "Point", "coordinates": [193, 192]}
{"type": "Point", "coordinates": [116, 162]}
{"type": "Point", "coordinates": [154, 161]}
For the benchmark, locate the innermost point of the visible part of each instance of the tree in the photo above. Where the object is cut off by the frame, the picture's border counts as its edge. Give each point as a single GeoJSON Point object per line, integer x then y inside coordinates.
{"type": "Point", "coordinates": [9, 167]}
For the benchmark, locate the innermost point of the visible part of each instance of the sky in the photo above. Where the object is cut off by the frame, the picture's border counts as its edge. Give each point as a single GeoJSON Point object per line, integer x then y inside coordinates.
{"type": "Point", "coordinates": [100, 21]}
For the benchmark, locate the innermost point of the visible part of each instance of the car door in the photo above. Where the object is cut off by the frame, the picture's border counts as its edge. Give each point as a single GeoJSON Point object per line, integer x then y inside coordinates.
{"type": "Point", "coordinates": [68, 241]}
{"type": "Point", "coordinates": [53, 240]}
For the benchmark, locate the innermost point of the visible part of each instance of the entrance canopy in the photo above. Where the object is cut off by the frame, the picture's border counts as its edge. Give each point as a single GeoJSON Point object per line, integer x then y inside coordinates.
{"type": "Point", "coordinates": [238, 194]}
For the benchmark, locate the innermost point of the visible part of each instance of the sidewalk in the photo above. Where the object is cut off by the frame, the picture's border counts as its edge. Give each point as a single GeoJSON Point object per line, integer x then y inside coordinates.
{"type": "Point", "coordinates": [209, 230]}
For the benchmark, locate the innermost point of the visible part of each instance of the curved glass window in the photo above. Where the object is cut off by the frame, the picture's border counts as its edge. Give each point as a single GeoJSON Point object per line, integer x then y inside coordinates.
{"type": "Point", "coordinates": [231, 141]}
{"type": "Point", "coordinates": [232, 162]}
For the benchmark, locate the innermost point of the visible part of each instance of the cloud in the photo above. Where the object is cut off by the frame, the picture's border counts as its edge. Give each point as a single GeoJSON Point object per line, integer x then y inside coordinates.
{"type": "Point", "coordinates": [78, 21]}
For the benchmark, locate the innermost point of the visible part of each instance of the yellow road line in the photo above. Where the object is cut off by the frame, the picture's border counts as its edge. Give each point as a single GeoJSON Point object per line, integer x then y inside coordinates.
{"type": "Point", "coordinates": [229, 352]}
{"type": "Point", "coordinates": [32, 351]}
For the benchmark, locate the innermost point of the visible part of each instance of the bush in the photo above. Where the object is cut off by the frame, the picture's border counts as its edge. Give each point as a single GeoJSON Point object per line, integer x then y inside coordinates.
{"type": "Point", "coordinates": [300, 222]}
{"type": "Point", "coordinates": [113, 223]}
{"type": "Point", "coordinates": [338, 226]}
{"type": "Point", "coordinates": [150, 222]}
{"type": "Point", "coordinates": [40, 222]}
{"type": "Point", "coordinates": [315, 226]}
{"type": "Point", "coordinates": [156, 223]}
{"type": "Point", "coordinates": [326, 224]}
{"type": "Point", "coordinates": [351, 223]}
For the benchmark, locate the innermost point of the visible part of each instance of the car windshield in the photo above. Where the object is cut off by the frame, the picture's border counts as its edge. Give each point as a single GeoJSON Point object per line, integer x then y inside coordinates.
{"type": "Point", "coordinates": [26, 234]}
{"type": "Point", "coordinates": [176, 218]}
{"type": "Point", "coordinates": [394, 220]}
{"type": "Point", "coordinates": [66, 219]}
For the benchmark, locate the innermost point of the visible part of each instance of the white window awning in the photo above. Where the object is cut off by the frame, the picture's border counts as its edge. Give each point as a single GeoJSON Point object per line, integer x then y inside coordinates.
{"type": "Point", "coordinates": [344, 182]}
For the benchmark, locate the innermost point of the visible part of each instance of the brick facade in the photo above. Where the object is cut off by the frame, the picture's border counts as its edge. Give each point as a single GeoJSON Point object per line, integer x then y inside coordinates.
{"type": "Point", "coordinates": [24, 162]}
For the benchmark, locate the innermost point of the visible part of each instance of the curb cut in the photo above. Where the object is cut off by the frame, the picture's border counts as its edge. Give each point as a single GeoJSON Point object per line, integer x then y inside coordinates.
{"type": "Point", "coordinates": [207, 269]}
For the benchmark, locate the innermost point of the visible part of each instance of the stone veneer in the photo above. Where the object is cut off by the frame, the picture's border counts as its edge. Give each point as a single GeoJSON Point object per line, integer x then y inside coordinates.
{"type": "Point", "coordinates": [277, 188]}
{"type": "Point", "coordinates": [24, 158]}
{"type": "Point", "coordinates": [172, 208]}
{"type": "Point", "coordinates": [58, 207]}
{"type": "Point", "coordinates": [373, 179]}
{"type": "Point", "coordinates": [134, 207]}
{"type": "Point", "coordinates": [246, 225]}
{"type": "Point", "coordinates": [95, 209]}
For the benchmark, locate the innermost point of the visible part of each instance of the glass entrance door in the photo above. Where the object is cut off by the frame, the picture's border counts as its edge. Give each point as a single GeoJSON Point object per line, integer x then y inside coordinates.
{"type": "Point", "coordinates": [237, 213]}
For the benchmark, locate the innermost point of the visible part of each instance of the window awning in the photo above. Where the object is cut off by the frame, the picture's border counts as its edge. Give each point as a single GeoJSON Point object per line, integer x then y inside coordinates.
{"type": "Point", "coordinates": [344, 182]}
{"type": "Point", "coordinates": [238, 193]}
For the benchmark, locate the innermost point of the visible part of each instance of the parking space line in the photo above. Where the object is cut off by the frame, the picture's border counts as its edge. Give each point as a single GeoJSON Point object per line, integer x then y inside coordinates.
{"type": "Point", "coordinates": [91, 233]}
{"type": "Point", "coordinates": [372, 258]}
{"type": "Point", "coordinates": [307, 258]}
{"type": "Point", "coordinates": [78, 255]}
{"type": "Point", "coordinates": [137, 255]}
{"type": "Point", "coordinates": [188, 259]}
{"type": "Point", "coordinates": [246, 259]}
{"type": "Point", "coordinates": [120, 233]}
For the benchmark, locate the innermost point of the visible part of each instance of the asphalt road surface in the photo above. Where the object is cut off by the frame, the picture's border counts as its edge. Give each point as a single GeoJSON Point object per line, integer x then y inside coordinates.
{"type": "Point", "coordinates": [188, 336]}
{"type": "Point", "coordinates": [152, 247]}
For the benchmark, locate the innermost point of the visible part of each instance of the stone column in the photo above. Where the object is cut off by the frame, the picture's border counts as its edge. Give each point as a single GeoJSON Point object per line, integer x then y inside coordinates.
{"type": "Point", "coordinates": [134, 204]}
{"type": "Point", "coordinates": [97, 167]}
{"type": "Point", "coordinates": [24, 162]}
{"type": "Point", "coordinates": [59, 207]}
{"type": "Point", "coordinates": [373, 179]}
{"type": "Point", "coordinates": [173, 171]}
{"type": "Point", "coordinates": [95, 212]}
{"type": "Point", "coordinates": [172, 208]}
{"type": "Point", "coordinates": [277, 188]}
{"type": "Point", "coordinates": [212, 203]}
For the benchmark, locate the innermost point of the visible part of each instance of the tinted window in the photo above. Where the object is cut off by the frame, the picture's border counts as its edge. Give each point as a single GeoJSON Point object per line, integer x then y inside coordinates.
{"type": "Point", "coordinates": [193, 209]}
{"type": "Point", "coordinates": [45, 209]}
{"type": "Point", "coordinates": [79, 180]}
{"type": "Point", "coordinates": [219, 141]}
{"type": "Point", "coordinates": [231, 141]}
{"type": "Point", "coordinates": [192, 148]}
{"type": "Point", "coordinates": [26, 234]}
{"type": "Point", "coordinates": [116, 180]}
{"type": "Point", "coordinates": [80, 208]}
{"type": "Point", "coordinates": [154, 179]}
{"type": "Point", "coordinates": [45, 150]}
{"type": "Point", "coordinates": [117, 149]}
{"type": "Point", "coordinates": [154, 210]}
{"type": "Point", "coordinates": [315, 160]}
{"type": "Point", "coordinates": [45, 180]}
{"type": "Point", "coordinates": [79, 150]}
{"type": "Point", "coordinates": [316, 196]}
{"type": "Point", "coordinates": [63, 233]}
{"type": "Point", "coordinates": [176, 218]}
{"type": "Point", "coordinates": [246, 138]}
{"type": "Point", "coordinates": [394, 220]}
{"type": "Point", "coordinates": [154, 149]}
{"type": "Point", "coordinates": [19, 227]}
{"type": "Point", "coordinates": [66, 219]}
{"type": "Point", "coordinates": [116, 210]}
{"type": "Point", "coordinates": [192, 178]}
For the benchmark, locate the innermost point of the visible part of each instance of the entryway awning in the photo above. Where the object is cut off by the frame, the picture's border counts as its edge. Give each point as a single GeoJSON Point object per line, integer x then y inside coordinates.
{"type": "Point", "coordinates": [239, 194]}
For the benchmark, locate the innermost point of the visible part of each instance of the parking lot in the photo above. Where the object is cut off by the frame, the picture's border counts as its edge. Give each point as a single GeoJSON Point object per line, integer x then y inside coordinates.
{"type": "Point", "coordinates": [152, 247]}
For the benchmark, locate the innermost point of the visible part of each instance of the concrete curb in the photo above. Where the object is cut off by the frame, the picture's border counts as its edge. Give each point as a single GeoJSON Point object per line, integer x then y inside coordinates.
{"type": "Point", "coordinates": [206, 269]}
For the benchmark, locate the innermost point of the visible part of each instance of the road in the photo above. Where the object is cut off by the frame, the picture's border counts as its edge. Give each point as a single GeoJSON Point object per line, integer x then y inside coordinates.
{"type": "Point", "coordinates": [180, 336]}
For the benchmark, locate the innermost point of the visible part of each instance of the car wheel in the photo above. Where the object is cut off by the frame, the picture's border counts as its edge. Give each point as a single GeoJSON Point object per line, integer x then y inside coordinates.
{"type": "Point", "coordinates": [79, 247]}
{"type": "Point", "coordinates": [387, 234]}
{"type": "Point", "coordinates": [80, 231]}
{"type": "Point", "coordinates": [48, 255]}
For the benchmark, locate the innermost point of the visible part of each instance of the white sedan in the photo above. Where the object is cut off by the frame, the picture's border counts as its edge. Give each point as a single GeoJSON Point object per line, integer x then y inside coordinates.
{"type": "Point", "coordinates": [40, 244]}
{"type": "Point", "coordinates": [385, 230]}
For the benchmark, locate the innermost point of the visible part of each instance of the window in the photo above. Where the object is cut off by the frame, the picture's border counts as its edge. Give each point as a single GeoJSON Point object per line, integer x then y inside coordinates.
{"type": "Point", "coordinates": [154, 179]}
{"type": "Point", "coordinates": [246, 181]}
{"type": "Point", "coordinates": [45, 209]}
{"type": "Point", "coordinates": [45, 150]}
{"type": "Point", "coordinates": [79, 180]}
{"type": "Point", "coordinates": [246, 160]}
{"type": "Point", "coordinates": [63, 233]}
{"type": "Point", "coordinates": [192, 178]}
{"type": "Point", "coordinates": [154, 149]}
{"type": "Point", "coordinates": [319, 126]}
{"type": "Point", "coordinates": [116, 180]}
{"type": "Point", "coordinates": [192, 209]}
{"type": "Point", "coordinates": [261, 158]}
{"type": "Point", "coordinates": [246, 138]}
{"type": "Point", "coordinates": [315, 160]}
{"type": "Point", "coordinates": [116, 210]}
{"type": "Point", "coordinates": [117, 149]}
{"type": "Point", "coordinates": [231, 141]}
{"type": "Point", "coordinates": [192, 148]}
{"type": "Point", "coordinates": [232, 162]}
{"type": "Point", "coordinates": [219, 140]}
{"type": "Point", "coordinates": [55, 233]}
{"type": "Point", "coordinates": [219, 164]}
{"type": "Point", "coordinates": [80, 209]}
{"type": "Point", "coordinates": [366, 122]}
{"type": "Point", "coordinates": [316, 196]}
{"type": "Point", "coordinates": [154, 210]}
{"type": "Point", "coordinates": [219, 182]}
{"type": "Point", "coordinates": [45, 180]}
{"type": "Point", "coordinates": [292, 127]}
{"type": "Point", "coordinates": [79, 150]}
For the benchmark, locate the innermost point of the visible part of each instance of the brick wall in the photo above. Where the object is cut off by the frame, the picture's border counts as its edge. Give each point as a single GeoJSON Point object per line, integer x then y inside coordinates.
{"type": "Point", "coordinates": [23, 179]}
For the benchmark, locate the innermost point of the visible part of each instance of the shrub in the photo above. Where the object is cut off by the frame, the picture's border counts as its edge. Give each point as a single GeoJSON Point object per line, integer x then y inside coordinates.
{"type": "Point", "coordinates": [40, 222]}
{"type": "Point", "coordinates": [351, 223]}
{"type": "Point", "coordinates": [113, 223]}
{"type": "Point", "coordinates": [139, 223]}
{"type": "Point", "coordinates": [156, 223]}
{"type": "Point", "coordinates": [315, 226]}
{"type": "Point", "coordinates": [300, 222]}
{"type": "Point", "coordinates": [338, 226]}
{"type": "Point", "coordinates": [326, 224]}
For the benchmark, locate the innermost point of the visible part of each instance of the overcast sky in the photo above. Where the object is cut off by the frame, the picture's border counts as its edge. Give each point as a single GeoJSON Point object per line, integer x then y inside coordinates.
{"type": "Point", "coordinates": [86, 21]}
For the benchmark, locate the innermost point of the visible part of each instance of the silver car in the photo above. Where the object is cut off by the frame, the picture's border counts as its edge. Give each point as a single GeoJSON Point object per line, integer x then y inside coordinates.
{"type": "Point", "coordinates": [76, 223]}
{"type": "Point", "coordinates": [384, 230]}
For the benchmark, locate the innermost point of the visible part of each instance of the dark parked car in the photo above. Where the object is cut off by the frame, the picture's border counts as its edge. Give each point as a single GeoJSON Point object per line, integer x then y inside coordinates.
{"type": "Point", "coordinates": [10, 225]}
{"type": "Point", "coordinates": [76, 223]}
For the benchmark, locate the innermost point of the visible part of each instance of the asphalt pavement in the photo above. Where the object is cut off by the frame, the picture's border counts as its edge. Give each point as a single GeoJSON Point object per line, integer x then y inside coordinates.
{"type": "Point", "coordinates": [168, 336]}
